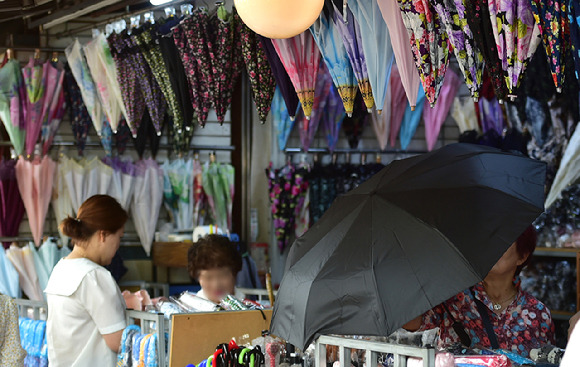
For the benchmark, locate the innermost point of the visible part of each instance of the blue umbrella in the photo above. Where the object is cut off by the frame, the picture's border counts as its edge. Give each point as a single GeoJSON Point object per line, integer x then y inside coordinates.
{"type": "Point", "coordinates": [282, 120]}
{"type": "Point", "coordinates": [9, 284]}
{"type": "Point", "coordinates": [411, 120]}
{"type": "Point", "coordinates": [377, 47]}
{"type": "Point", "coordinates": [329, 42]}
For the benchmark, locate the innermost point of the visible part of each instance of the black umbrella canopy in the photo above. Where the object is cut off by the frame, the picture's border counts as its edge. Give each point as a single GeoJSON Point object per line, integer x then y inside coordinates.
{"type": "Point", "coordinates": [417, 233]}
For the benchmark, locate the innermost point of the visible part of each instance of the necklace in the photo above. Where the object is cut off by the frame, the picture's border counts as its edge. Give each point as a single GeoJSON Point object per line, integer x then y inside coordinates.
{"type": "Point", "coordinates": [498, 305]}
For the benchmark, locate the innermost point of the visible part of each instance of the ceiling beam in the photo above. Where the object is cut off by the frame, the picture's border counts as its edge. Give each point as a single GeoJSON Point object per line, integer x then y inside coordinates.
{"type": "Point", "coordinates": [75, 11]}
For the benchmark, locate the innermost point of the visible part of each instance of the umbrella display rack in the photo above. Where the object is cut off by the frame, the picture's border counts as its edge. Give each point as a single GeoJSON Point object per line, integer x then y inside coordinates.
{"type": "Point", "coordinates": [35, 310]}
{"type": "Point", "coordinates": [152, 323]}
{"type": "Point", "coordinates": [372, 350]}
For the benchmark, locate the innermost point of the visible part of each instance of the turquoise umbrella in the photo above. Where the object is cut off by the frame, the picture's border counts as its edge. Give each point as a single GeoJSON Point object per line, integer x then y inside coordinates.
{"type": "Point", "coordinates": [12, 102]}
{"type": "Point", "coordinates": [9, 284]}
{"type": "Point", "coordinates": [411, 120]}
{"type": "Point", "coordinates": [281, 119]}
{"type": "Point", "coordinates": [377, 47]}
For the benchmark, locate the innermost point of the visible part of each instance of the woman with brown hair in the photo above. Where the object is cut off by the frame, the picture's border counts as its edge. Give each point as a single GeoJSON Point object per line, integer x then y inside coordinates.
{"type": "Point", "coordinates": [86, 311]}
{"type": "Point", "coordinates": [214, 262]}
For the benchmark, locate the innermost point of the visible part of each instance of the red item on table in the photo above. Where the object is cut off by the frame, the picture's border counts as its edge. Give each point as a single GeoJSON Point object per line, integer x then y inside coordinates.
{"type": "Point", "coordinates": [487, 361]}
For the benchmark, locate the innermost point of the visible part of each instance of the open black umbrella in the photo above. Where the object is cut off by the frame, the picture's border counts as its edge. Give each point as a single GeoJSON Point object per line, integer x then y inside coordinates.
{"type": "Point", "coordinates": [418, 232]}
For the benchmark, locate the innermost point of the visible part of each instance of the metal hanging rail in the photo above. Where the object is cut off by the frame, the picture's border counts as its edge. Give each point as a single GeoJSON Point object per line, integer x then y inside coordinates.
{"type": "Point", "coordinates": [91, 145]}
{"type": "Point", "coordinates": [352, 151]}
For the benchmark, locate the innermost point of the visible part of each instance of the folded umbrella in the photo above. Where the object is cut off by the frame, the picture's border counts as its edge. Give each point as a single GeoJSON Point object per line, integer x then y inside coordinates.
{"type": "Point", "coordinates": [54, 105]}
{"type": "Point", "coordinates": [411, 121]}
{"type": "Point", "coordinates": [395, 230]}
{"type": "Point", "coordinates": [9, 284]}
{"type": "Point", "coordinates": [463, 112]}
{"type": "Point", "coordinates": [32, 75]}
{"type": "Point", "coordinates": [281, 119]}
{"type": "Point", "coordinates": [61, 200]}
{"type": "Point", "coordinates": [80, 119]}
{"type": "Point", "coordinates": [23, 261]}
{"type": "Point", "coordinates": [382, 122]}
{"type": "Point", "coordinates": [11, 205]}
{"type": "Point", "coordinates": [13, 104]}
{"type": "Point", "coordinates": [332, 119]}
{"type": "Point", "coordinates": [122, 181]}
{"type": "Point", "coordinates": [398, 105]}
{"type": "Point", "coordinates": [308, 128]}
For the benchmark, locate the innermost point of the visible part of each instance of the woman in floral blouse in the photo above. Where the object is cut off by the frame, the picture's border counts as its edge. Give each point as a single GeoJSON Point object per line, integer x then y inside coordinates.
{"type": "Point", "coordinates": [520, 322]}
{"type": "Point", "coordinates": [11, 352]}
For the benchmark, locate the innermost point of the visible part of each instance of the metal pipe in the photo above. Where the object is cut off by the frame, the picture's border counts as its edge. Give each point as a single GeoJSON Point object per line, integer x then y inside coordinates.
{"type": "Point", "coordinates": [98, 145]}
{"type": "Point", "coordinates": [293, 150]}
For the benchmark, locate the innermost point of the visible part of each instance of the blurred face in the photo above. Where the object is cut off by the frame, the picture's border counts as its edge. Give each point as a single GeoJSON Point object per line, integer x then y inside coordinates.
{"type": "Point", "coordinates": [217, 283]}
{"type": "Point", "coordinates": [509, 262]}
{"type": "Point", "coordinates": [108, 245]}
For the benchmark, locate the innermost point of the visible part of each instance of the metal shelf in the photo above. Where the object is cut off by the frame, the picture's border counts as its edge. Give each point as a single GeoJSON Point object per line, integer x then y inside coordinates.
{"type": "Point", "coordinates": [561, 315]}
{"type": "Point", "coordinates": [556, 252]}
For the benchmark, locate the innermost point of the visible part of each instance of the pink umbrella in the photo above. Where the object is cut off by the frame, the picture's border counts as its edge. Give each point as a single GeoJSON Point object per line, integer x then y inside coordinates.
{"type": "Point", "coordinates": [32, 74]}
{"type": "Point", "coordinates": [53, 107]}
{"type": "Point", "coordinates": [300, 57]}
{"type": "Point", "coordinates": [398, 104]}
{"type": "Point", "coordinates": [403, 53]}
{"type": "Point", "coordinates": [35, 180]}
{"type": "Point", "coordinates": [434, 117]}
{"type": "Point", "coordinates": [308, 129]}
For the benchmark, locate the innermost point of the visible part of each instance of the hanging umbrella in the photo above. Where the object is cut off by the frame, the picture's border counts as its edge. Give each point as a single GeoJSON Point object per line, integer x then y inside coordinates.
{"type": "Point", "coordinates": [104, 73]}
{"type": "Point", "coordinates": [84, 179]}
{"type": "Point", "coordinates": [398, 105]}
{"type": "Point", "coordinates": [45, 258]}
{"type": "Point", "coordinates": [330, 44]}
{"type": "Point", "coordinates": [429, 43]}
{"type": "Point", "coordinates": [308, 129]}
{"type": "Point", "coordinates": [353, 126]}
{"type": "Point", "coordinates": [468, 56]}
{"type": "Point", "coordinates": [332, 119]}
{"type": "Point", "coordinates": [491, 115]}
{"type": "Point", "coordinates": [35, 184]}
{"type": "Point", "coordinates": [147, 200]}
{"type": "Point", "coordinates": [32, 74]}
{"type": "Point", "coordinates": [400, 43]}
{"type": "Point", "coordinates": [12, 103]}
{"type": "Point", "coordinates": [224, 62]}
{"type": "Point", "coordinates": [23, 261]}
{"type": "Point", "coordinates": [301, 58]}
{"type": "Point", "coordinates": [85, 82]}
{"type": "Point", "coordinates": [435, 117]}
{"type": "Point", "coordinates": [11, 206]}
{"type": "Point", "coordinates": [54, 105]}
{"type": "Point", "coordinates": [411, 120]}
{"type": "Point", "coordinates": [140, 71]}
{"type": "Point", "coordinates": [259, 70]}
{"type": "Point", "coordinates": [9, 283]}
{"type": "Point", "coordinates": [395, 230]}
{"type": "Point", "coordinates": [478, 19]}
{"type": "Point", "coordinates": [382, 122]}
{"type": "Point", "coordinates": [574, 19]}
{"type": "Point", "coordinates": [554, 27]}
{"type": "Point", "coordinates": [281, 76]}
{"type": "Point", "coordinates": [568, 170]}
{"type": "Point", "coordinates": [517, 36]}
{"type": "Point", "coordinates": [377, 47]}
{"type": "Point", "coordinates": [281, 119]}
{"type": "Point", "coordinates": [178, 191]}
{"type": "Point", "coordinates": [131, 93]}
{"type": "Point", "coordinates": [227, 177]}
{"type": "Point", "coordinates": [147, 133]}
{"type": "Point", "coordinates": [61, 199]}
{"type": "Point", "coordinates": [215, 191]}
{"type": "Point", "coordinates": [463, 112]}
{"type": "Point", "coordinates": [200, 99]}
{"type": "Point", "coordinates": [350, 33]}
{"type": "Point", "coordinates": [79, 116]}
{"type": "Point", "coordinates": [199, 197]}
{"type": "Point", "coordinates": [122, 181]}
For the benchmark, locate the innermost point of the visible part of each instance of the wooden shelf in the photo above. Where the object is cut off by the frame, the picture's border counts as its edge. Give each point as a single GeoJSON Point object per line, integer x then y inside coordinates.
{"type": "Point", "coordinates": [561, 315]}
{"type": "Point", "coordinates": [556, 252]}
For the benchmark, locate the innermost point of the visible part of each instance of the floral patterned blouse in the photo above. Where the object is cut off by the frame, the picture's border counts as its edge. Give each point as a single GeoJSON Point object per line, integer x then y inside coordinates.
{"type": "Point", "coordinates": [11, 353]}
{"type": "Point", "coordinates": [524, 325]}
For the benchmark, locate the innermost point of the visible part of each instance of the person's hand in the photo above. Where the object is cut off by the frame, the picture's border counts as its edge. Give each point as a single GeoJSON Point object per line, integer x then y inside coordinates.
{"type": "Point", "coordinates": [573, 321]}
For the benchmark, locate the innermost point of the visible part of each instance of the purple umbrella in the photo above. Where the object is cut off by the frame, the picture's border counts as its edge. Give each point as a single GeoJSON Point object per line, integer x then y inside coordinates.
{"type": "Point", "coordinates": [332, 119]}
{"type": "Point", "coordinates": [54, 106]}
{"type": "Point", "coordinates": [322, 90]}
{"type": "Point", "coordinates": [281, 76]}
{"type": "Point", "coordinates": [11, 205]}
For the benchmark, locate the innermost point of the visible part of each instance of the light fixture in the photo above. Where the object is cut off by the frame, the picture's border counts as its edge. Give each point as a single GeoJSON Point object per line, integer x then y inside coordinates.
{"type": "Point", "coordinates": [159, 2]}
{"type": "Point", "coordinates": [279, 18]}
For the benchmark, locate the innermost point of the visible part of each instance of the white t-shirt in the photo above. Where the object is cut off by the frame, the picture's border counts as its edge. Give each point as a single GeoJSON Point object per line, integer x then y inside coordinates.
{"type": "Point", "coordinates": [572, 354]}
{"type": "Point", "coordinates": [84, 302]}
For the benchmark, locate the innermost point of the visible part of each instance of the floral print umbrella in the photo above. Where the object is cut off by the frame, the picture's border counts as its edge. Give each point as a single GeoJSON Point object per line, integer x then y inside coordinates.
{"type": "Point", "coordinates": [351, 38]}
{"type": "Point", "coordinates": [301, 58]}
{"type": "Point", "coordinates": [12, 103]}
{"type": "Point", "coordinates": [286, 186]}
{"type": "Point", "coordinates": [308, 129]}
{"type": "Point", "coordinates": [330, 44]}
{"type": "Point", "coordinates": [225, 63]}
{"type": "Point", "coordinates": [555, 29]}
{"type": "Point", "coordinates": [469, 57]}
{"type": "Point", "coordinates": [479, 21]}
{"type": "Point", "coordinates": [517, 36]}
{"type": "Point", "coordinates": [259, 70]}
{"type": "Point", "coordinates": [79, 116]}
{"type": "Point", "coordinates": [32, 75]}
{"type": "Point", "coordinates": [429, 43]}
{"type": "Point", "coordinates": [54, 105]}
{"type": "Point", "coordinates": [574, 18]}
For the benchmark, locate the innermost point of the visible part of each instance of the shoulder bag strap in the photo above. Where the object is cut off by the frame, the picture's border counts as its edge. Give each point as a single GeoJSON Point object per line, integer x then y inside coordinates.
{"type": "Point", "coordinates": [459, 329]}
{"type": "Point", "coordinates": [483, 311]}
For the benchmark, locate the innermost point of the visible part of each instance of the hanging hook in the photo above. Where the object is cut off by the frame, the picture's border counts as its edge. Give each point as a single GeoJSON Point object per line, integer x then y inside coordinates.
{"type": "Point", "coordinates": [36, 53]}
{"type": "Point", "coordinates": [334, 158]}
{"type": "Point", "coordinates": [363, 159]}
{"type": "Point", "coordinates": [347, 159]}
{"type": "Point", "coordinates": [344, 10]}
{"type": "Point", "coordinates": [9, 54]}
{"type": "Point", "coordinates": [378, 158]}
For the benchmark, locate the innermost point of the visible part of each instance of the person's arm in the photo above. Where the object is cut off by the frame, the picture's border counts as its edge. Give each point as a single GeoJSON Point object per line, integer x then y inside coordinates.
{"type": "Point", "coordinates": [573, 321]}
{"type": "Point", "coordinates": [114, 340]}
{"type": "Point", "coordinates": [414, 324]}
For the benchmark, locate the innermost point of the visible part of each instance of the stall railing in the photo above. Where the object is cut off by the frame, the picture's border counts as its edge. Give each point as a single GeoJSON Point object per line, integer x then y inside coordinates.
{"type": "Point", "coordinates": [261, 294]}
{"type": "Point", "coordinates": [39, 308]}
{"type": "Point", "coordinates": [154, 289]}
{"type": "Point", "coordinates": [372, 349]}
{"type": "Point", "coordinates": [153, 323]}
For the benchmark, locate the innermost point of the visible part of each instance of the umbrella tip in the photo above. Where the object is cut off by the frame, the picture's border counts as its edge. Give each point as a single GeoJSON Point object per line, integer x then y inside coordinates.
{"type": "Point", "coordinates": [159, 133]}
{"type": "Point", "coordinates": [134, 136]}
{"type": "Point", "coordinates": [349, 114]}
{"type": "Point", "coordinates": [432, 105]}
{"type": "Point", "coordinates": [369, 110]}
{"type": "Point", "coordinates": [559, 90]}
{"type": "Point", "coordinates": [500, 101]}
{"type": "Point", "coordinates": [380, 112]}
{"type": "Point", "coordinates": [292, 118]}
{"type": "Point", "coordinates": [308, 118]}
{"type": "Point", "coordinates": [475, 99]}
{"type": "Point", "coordinates": [412, 108]}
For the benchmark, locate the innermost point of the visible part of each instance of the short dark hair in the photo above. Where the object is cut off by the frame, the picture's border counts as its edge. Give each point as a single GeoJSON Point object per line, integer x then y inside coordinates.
{"type": "Point", "coordinates": [97, 213]}
{"type": "Point", "coordinates": [525, 245]}
{"type": "Point", "coordinates": [210, 252]}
